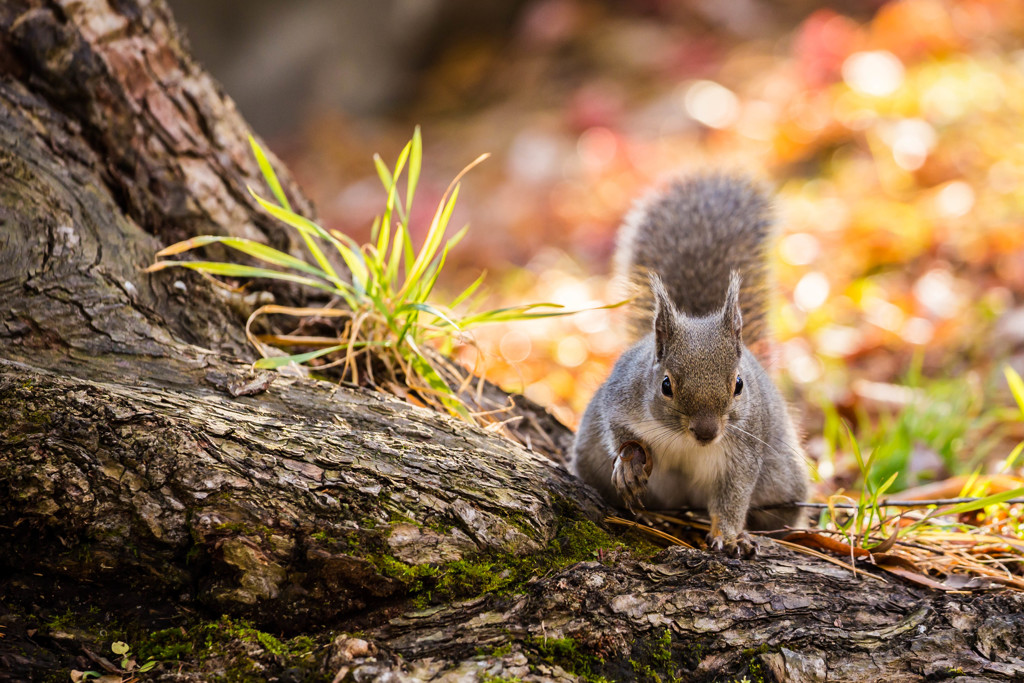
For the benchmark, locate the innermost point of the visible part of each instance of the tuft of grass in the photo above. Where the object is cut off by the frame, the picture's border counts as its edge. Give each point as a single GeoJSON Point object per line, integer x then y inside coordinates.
{"type": "Point", "coordinates": [978, 534]}
{"type": "Point", "coordinates": [865, 521]}
{"type": "Point", "coordinates": [391, 326]}
{"type": "Point", "coordinates": [945, 417]}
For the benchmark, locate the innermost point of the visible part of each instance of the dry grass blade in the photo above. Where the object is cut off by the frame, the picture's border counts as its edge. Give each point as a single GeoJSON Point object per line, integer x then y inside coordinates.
{"type": "Point", "coordinates": [918, 578]}
{"type": "Point", "coordinates": [677, 520]}
{"type": "Point", "coordinates": [810, 539]}
{"type": "Point", "coordinates": [270, 309]}
{"type": "Point", "coordinates": [796, 547]}
{"type": "Point", "coordinates": [937, 558]}
{"type": "Point", "coordinates": [649, 530]}
{"type": "Point", "coordinates": [934, 553]}
{"type": "Point", "coordinates": [296, 340]}
{"type": "Point", "coordinates": [965, 538]}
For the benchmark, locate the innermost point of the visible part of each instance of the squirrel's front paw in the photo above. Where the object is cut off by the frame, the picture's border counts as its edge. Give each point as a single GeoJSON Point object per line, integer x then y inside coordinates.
{"type": "Point", "coordinates": [739, 545]}
{"type": "Point", "coordinates": [633, 466]}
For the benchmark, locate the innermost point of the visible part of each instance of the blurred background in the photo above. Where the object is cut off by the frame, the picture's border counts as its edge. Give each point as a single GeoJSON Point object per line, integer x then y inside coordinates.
{"type": "Point", "coordinates": [892, 131]}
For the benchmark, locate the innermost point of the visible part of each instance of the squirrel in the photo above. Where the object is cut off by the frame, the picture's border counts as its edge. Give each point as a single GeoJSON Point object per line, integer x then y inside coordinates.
{"type": "Point", "coordinates": [688, 416]}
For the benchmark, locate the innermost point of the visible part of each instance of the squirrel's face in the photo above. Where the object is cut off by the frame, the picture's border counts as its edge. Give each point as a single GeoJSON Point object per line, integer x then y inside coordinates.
{"type": "Point", "coordinates": [697, 362]}
{"type": "Point", "coordinates": [698, 385]}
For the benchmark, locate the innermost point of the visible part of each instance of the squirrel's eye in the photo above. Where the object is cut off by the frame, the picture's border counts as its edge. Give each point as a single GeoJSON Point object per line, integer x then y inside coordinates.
{"type": "Point", "coordinates": [666, 387]}
{"type": "Point", "coordinates": [739, 386]}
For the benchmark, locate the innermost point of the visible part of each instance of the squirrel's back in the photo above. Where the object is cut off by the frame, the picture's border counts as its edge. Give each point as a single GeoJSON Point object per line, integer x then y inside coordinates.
{"type": "Point", "coordinates": [694, 233]}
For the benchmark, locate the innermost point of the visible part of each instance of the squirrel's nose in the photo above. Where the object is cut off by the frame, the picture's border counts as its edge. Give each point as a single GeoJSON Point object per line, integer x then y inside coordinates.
{"type": "Point", "coordinates": [705, 429]}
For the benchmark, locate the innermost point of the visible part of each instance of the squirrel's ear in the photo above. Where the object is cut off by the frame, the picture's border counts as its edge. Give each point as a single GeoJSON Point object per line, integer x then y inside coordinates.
{"type": "Point", "coordinates": [665, 324]}
{"type": "Point", "coordinates": [731, 316]}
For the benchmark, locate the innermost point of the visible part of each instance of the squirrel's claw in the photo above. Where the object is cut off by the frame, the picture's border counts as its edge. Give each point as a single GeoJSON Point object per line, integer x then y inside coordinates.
{"type": "Point", "coordinates": [633, 466]}
{"type": "Point", "coordinates": [747, 545]}
{"type": "Point", "coordinates": [741, 545]}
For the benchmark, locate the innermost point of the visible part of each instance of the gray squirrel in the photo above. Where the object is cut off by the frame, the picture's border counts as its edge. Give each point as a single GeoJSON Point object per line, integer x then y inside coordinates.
{"type": "Point", "coordinates": [688, 417]}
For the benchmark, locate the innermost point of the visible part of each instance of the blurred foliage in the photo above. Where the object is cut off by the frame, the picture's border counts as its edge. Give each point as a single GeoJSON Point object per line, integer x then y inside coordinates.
{"type": "Point", "coordinates": [894, 140]}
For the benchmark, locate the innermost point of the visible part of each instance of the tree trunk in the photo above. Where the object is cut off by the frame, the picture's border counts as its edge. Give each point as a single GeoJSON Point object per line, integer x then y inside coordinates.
{"type": "Point", "coordinates": [150, 482]}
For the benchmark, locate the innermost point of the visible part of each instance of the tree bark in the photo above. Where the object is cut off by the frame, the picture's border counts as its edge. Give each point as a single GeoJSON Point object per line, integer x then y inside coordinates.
{"type": "Point", "coordinates": [150, 482]}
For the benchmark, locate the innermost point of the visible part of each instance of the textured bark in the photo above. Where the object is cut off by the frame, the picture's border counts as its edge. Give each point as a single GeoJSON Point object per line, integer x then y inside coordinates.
{"type": "Point", "coordinates": [147, 475]}
{"type": "Point", "coordinates": [782, 618]}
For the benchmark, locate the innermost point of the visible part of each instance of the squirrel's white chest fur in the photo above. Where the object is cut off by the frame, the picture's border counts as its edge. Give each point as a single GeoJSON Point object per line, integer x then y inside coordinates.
{"type": "Point", "coordinates": [685, 472]}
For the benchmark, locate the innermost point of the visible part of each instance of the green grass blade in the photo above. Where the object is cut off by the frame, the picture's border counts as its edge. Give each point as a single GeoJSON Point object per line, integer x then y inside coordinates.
{"type": "Point", "coordinates": [454, 240]}
{"type": "Point", "coordinates": [389, 180]}
{"type": "Point", "coordinates": [391, 271]}
{"type": "Point", "coordinates": [375, 229]}
{"type": "Point", "coordinates": [415, 163]}
{"type": "Point", "coordinates": [390, 183]}
{"type": "Point", "coordinates": [272, 362]}
{"type": "Point", "coordinates": [236, 270]}
{"type": "Point", "coordinates": [408, 252]}
{"type": "Point", "coordinates": [427, 372]}
{"type": "Point", "coordinates": [962, 508]}
{"type": "Point", "coordinates": [885, 487]}
{"type": "Point", "coordinates": [528, 312]}
{"type": "Point", "coordinates": [855, 447]}
{"type": "Point", "coordinates": [410, 327]}
{"type": "Point", "coordinates": [436, 312]}
{"type": "Point", "coordinates": [402, 158]}
{"type": "Point", "coordinates": [289, 217]}
{"type": "Point", "coordinates": [348, 249]}
{"type": "Point", "coordinates": [429, 278]}
{"type": "Point", "coordinates": [383, 234]}
{"type": "Point", "coordinates": [352, 255]}
{"type": "Point", "coordinates": [873, 457]}
{"type": "Point", "coordinates": [250, 247]}
{"type": "Point", "coordinates": [321, 258]}
{"type": "Point", "coordinates": [994, 499]}
{"type": "Point", "coordinates": [433, 240]}
{"type": "Point", "coordinates": [1012, 457]}
{"type": "Point", "coordinates": [278, 361]}
{"type": "Point", "coordinates": [521, 312]}
{"type": "Point", "coordinates": [383, 172]}
{"type": "Point", "coordinates": [469, 291]}
{"type": "Point", "coordinates": [1016, 386]}
{"type": "Point", "coordinates": [384, 237]}
{"type": "Point", "coordinates": [372, 260]}
{"type": "Point", "coordinates": [972, 479]}
{"type": "Point", "coordinates": [268, 173]}
{"type": "Point", "coordinates": [307, 229]}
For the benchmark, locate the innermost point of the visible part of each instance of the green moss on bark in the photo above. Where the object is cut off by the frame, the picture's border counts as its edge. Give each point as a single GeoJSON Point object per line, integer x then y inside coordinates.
{"type": "Point", "coordinates": [240, 650]}
{"type": "Point", "coordinates": [498, 573]}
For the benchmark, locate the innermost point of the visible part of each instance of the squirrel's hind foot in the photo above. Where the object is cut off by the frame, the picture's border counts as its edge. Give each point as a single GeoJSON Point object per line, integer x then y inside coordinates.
{"type": "Point", "coordinates": [742, 545]}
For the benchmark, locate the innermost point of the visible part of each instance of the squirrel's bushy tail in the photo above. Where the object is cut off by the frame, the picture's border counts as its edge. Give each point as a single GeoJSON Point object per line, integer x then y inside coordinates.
{"type": "Point", "coordinates": [694, 234]}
